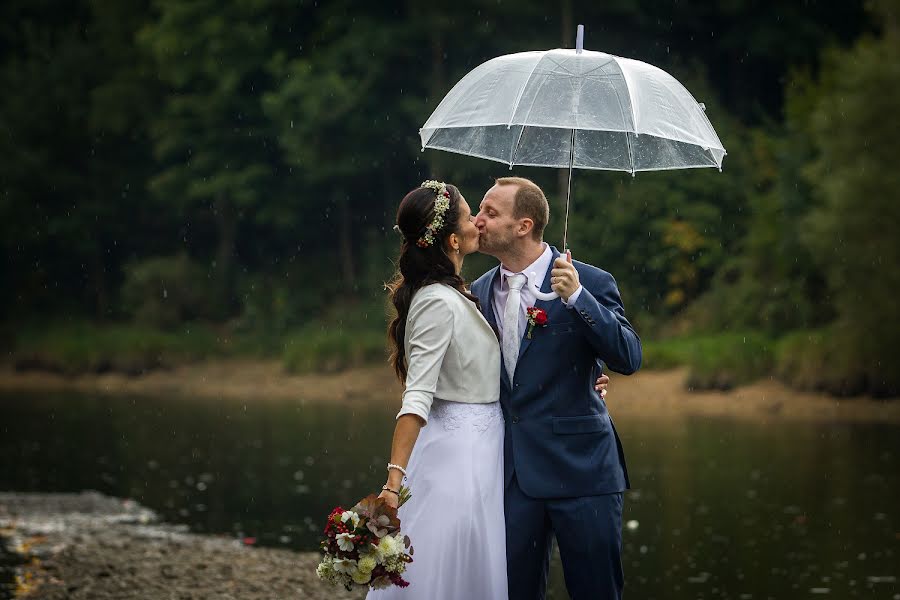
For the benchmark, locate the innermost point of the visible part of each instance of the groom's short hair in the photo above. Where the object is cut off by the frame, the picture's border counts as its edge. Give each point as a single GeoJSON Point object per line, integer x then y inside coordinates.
{"type": "Point", "coordinates": [530, 202]}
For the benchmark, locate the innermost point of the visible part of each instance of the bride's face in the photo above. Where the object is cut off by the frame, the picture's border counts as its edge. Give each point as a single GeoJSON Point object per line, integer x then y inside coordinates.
{"type": "Point", "coordinates": [466, 231]}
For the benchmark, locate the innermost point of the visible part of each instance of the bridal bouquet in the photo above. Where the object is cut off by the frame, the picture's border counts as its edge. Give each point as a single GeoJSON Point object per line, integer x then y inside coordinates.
{"type": "Point", "coordinates": [363, 545]}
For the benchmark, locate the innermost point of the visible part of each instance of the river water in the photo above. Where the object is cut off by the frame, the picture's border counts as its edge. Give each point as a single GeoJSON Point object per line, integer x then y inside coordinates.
{"type": "Point", "coordinates": [719, 508]}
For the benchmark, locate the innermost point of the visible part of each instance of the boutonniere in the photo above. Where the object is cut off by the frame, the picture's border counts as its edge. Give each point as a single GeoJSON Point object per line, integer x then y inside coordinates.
{"type": "Point", "coordinates": [536, 316]}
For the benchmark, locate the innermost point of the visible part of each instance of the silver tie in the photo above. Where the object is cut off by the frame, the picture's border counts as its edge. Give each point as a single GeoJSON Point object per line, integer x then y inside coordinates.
{"type": "Point", "coordinates": [511, 314]}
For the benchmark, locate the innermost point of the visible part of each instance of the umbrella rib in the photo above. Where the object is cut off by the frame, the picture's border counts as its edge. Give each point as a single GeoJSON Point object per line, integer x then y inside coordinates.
{"type": "Point", "coordinates": [633, 115]}
{"type": "Point", "coordinates": [628, 87]}
{"type": "Point", "coordinates": [522, 91]}
{"type": "Point", "coordinates": [515, 149]}
{"type": "Point", "coordinates": [568, 72]}
{"type": "Point", "coordinates": [586, 73]}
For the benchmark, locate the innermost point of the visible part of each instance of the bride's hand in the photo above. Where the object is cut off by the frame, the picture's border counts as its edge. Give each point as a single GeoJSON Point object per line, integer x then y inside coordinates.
{"type": "Point", "coordinates": [600, 386]}
{"type": "Point", "coordinates": [390, 498]}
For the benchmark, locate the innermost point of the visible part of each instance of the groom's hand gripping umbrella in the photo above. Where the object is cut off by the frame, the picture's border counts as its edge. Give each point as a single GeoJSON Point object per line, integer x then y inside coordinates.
{"type": "Point", "coordinates": [574, 109]}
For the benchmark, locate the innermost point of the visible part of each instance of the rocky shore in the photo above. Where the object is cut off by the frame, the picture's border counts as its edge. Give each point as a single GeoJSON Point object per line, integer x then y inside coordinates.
{"type": "Point", "coordinates": [93, 546]}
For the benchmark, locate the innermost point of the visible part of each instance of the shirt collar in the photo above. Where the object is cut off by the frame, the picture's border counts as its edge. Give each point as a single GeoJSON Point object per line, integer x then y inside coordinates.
{"type": "Point", "coordinates": [535, 271]}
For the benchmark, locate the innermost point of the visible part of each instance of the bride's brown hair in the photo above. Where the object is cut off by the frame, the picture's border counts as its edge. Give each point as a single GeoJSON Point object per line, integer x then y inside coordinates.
{"type": "Point", "coordinates": [420, 266]}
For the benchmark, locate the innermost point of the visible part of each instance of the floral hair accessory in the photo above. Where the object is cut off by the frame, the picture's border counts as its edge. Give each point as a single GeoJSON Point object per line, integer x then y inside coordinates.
{"type": "Point", "coordinates": [536, 316]}
{"type": "Point", "coordinates": [441, 206]}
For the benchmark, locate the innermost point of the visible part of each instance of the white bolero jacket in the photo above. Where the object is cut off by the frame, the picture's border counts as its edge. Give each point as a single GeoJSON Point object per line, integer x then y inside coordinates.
{"type": "Point", "coordinates": [451, 352]}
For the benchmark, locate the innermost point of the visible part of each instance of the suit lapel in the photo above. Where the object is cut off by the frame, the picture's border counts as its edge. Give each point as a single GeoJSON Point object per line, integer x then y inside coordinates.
{"type": "Point", "coordinates": [546, 305]}
{"type": "Point", "coordinates": [487, 309]}
{"type": "Point", "coordinates": [487, 299]}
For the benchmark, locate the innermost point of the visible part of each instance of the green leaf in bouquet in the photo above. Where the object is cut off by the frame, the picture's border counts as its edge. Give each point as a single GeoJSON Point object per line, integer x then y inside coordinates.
{"type": "Point", "coordinates": [405, 495]}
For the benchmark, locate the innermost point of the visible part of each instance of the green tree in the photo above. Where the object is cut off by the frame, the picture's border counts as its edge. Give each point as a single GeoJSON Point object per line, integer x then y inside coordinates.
{"type": "Point", "coordinates": [853, 231]}
{"type": "Point", "coordinates": [74, 153]}
{"type": "Point", "coordinates": [213, 143]}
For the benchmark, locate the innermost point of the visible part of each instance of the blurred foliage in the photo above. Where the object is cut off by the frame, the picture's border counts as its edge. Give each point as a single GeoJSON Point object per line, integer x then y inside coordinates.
{"type": "Point", "coordinates": [74, 347]}
{"type": "Point", "coordinates": [715, 361]}
{"type": "Point", "coordinates": [270, 142]}
{"type": "Point", "coordinates": [164, 292]}
{"type": "Point", "coordinates": [328, 351]}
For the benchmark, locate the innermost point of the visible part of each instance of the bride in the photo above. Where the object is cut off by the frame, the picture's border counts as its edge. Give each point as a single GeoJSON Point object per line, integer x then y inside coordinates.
{"type": "Point", "coordinates": [448, 357]}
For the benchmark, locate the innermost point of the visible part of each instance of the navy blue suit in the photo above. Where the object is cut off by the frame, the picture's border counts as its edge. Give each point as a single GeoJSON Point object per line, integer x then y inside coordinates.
{"type": "Point", "coordinates": [564, 465]}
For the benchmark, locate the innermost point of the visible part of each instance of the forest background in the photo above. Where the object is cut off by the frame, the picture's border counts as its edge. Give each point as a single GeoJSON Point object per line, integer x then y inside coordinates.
{"type": "Point", "coordinates": [190, 180]}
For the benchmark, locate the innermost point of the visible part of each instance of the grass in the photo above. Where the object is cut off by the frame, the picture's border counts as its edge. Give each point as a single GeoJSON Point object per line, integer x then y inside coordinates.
{"type": "Point", "coordinates": [326, 350]}
{"type": "Point", "coordinates": [345, 337]}
{"type": "Point", "coordinates": [85, 347]}
{"type": "Point", "coordinates": [813, 360]}
{"type": "Point", "coordinates": [718, 361]}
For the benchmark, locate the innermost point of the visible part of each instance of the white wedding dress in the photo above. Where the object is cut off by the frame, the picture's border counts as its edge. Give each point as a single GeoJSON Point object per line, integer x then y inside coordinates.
{"type": "Point", "coordinates": [455, 515]}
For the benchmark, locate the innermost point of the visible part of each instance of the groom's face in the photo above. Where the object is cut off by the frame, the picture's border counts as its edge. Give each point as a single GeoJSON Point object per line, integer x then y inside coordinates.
{"type": "Point", "coordinates": [495, 220]}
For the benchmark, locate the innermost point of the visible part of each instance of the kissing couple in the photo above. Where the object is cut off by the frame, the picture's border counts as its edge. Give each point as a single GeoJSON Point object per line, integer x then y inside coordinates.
{"type": "Point", "coordinates": [504, 437]}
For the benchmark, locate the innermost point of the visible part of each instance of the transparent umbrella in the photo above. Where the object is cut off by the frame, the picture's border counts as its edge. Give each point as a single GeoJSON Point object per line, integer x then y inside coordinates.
{"type": "Point", "coordinates": [574, 109]}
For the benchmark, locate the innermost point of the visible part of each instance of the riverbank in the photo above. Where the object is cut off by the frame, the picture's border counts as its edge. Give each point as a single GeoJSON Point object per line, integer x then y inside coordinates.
{"type": "Point", "coordinates": [93, 546]}
{"type": "Point", "coordinates": [658, 394]}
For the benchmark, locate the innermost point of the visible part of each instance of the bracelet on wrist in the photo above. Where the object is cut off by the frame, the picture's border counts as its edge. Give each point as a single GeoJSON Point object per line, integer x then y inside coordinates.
{"type": "Point", "coordinates": [387, 489]}
{"type": "Point", "coordinates": [397, 467]}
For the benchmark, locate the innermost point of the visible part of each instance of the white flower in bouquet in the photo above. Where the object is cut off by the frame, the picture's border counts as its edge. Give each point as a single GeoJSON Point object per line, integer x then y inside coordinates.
{"type": "Point", "coordinates": [367, 564]}
{"type": "Point", "coordinates": [345, 541]}
{"type": "Point", "coordinates": [345, 565]}
{"type": "Point", "coordinates": [325, 570]}
{"type": "Point", "coordinates": [395, 563]}
{"type": "Point", "coordinates": [349, 515]}
{"type": "Point", "coordinates": [376, 553]}
{"type": "Point", "coordinates": [361, 578]}
{"type": "Point", "coordinates": [389, 546]}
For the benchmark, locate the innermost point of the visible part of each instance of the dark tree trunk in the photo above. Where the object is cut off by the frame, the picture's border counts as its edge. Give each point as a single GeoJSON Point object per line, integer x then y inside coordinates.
{"type": "Point", "coordinates": [345, 243]}
{"type": "Point", "coordinates": [99, 283]}
{"type": "Point", "coordinates": [226, 223]}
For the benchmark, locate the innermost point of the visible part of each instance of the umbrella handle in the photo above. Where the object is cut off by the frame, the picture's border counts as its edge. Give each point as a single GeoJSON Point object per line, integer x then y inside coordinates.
{"type": "Point", "coordinates": [536, 285]}
{"type": "Point", "coordinates": [543, 295]}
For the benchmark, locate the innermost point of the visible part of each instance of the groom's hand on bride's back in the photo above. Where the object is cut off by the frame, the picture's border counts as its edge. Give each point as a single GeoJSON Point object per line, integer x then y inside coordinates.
{"type": "Point", "coordinates": [601, 384]}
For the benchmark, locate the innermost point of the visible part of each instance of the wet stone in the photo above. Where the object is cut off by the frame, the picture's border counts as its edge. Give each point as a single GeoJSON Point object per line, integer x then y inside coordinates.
{"type": "Point", "coordinates": [97, 547]}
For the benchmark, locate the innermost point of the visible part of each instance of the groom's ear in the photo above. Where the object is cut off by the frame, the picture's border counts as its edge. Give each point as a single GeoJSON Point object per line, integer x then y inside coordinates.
{"type": "Point", "coordinates": [526, 225]}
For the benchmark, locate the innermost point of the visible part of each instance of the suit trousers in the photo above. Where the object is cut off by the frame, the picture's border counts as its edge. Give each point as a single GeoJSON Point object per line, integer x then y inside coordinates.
{"type": "Point", "coordinates": [588, 531]}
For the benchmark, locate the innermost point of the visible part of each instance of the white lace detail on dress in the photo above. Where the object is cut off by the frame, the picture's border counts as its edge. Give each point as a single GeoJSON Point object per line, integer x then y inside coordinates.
{"type": "Point", "coordinates": [476, 417]}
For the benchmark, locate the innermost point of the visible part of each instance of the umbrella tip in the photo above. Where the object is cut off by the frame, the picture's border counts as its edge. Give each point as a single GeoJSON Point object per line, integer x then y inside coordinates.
{"type": "Point", "coordinates": [579, 40]}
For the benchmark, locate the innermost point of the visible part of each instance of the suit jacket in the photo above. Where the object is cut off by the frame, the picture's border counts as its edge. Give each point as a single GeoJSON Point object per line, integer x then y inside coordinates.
{"type": "Point", "coordinates": [560, 441]}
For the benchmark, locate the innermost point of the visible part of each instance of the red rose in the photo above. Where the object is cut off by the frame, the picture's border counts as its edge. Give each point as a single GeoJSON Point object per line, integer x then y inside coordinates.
{"type": "Point", "coordinates": [541, 318]}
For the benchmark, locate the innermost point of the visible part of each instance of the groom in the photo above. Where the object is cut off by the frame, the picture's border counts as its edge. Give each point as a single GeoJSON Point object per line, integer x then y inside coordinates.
{"type": "Point", "coordinates": [564, 466]}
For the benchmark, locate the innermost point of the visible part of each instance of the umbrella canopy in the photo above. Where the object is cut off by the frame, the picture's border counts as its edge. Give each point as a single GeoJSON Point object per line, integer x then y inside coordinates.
{"type": "Point", "coordinates": [577, 109]}
{"type": "Point", "coordinates": [565, 108]}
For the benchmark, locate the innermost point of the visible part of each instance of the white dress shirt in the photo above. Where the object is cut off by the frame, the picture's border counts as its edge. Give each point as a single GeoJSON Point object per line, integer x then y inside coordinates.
{"type": "Point", "coordinates": [451, 352]}
{"type": "Point", "coordinates": [535, 272]}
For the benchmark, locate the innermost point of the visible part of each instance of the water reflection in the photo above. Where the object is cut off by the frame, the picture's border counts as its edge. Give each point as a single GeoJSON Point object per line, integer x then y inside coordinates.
{"type": "Point", "coordinates": [719, 509]}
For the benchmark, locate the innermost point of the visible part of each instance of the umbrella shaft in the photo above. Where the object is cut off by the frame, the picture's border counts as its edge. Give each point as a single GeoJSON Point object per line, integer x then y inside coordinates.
{"type": "Point", "coordinates": [569, 191]}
